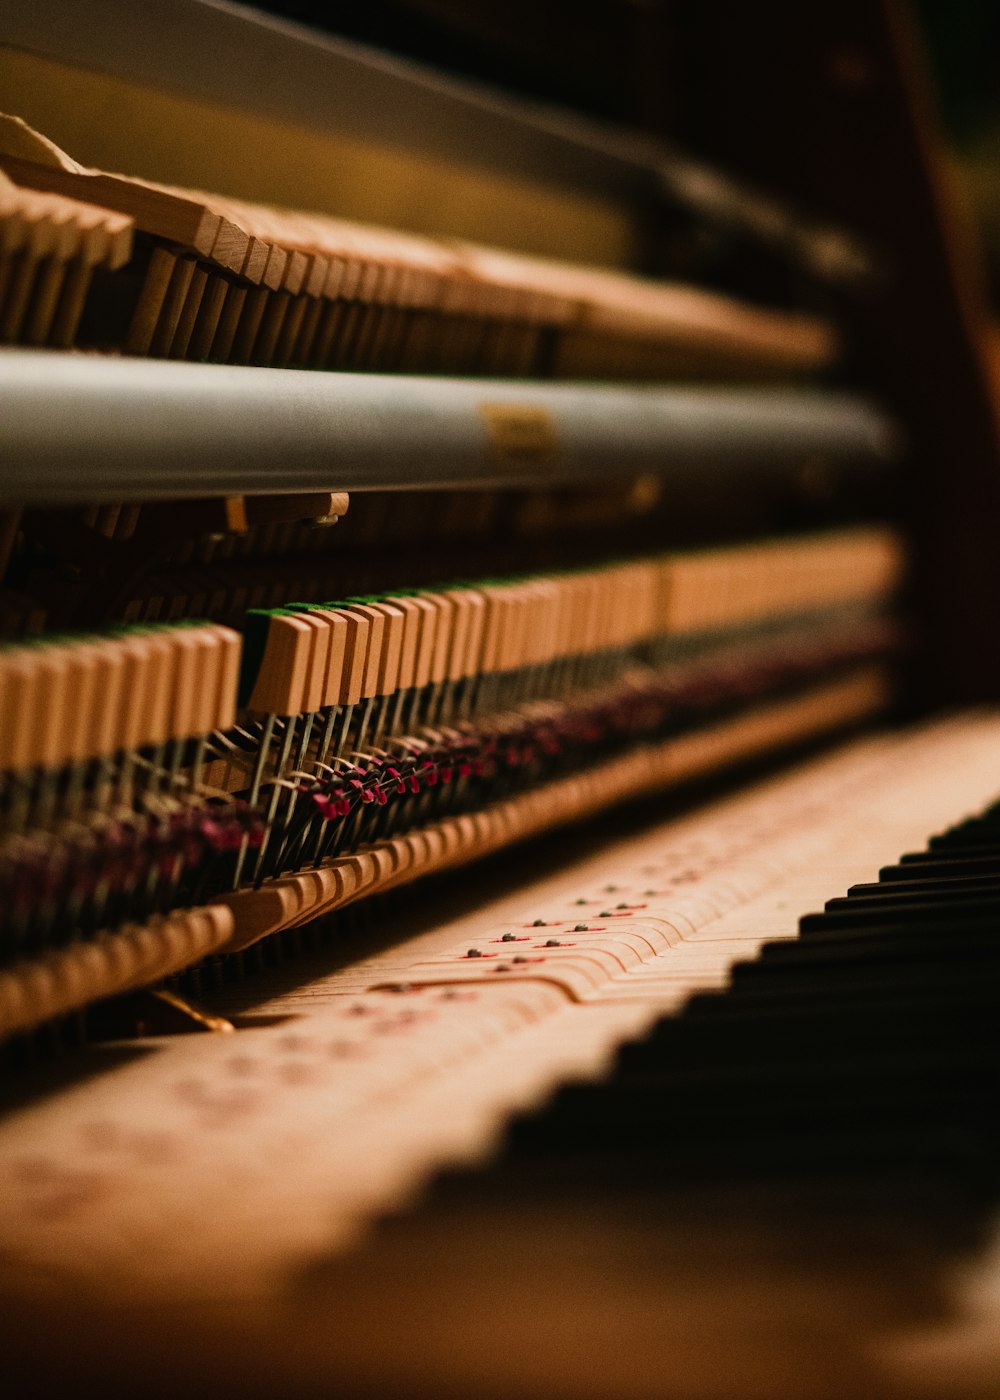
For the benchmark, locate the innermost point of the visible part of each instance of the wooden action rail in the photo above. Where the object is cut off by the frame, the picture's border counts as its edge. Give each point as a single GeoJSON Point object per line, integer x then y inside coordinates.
{"type": "Point", "coordinates": [70, 698]}
{"type": "Point", "coordinates": [705, 588]}
{"type": "Point", "coordinates": [50, 247]}
{"type": "Point", "coordinates": [505, 640]}
{"type": "Point", "coordinates": [60, 980]}
{"type": "Point", "coordinates": [219, 279]}
{"type": "Point", "coordinates": [337, 749]}
{"type": "Point", "coordinates": [67, 700]}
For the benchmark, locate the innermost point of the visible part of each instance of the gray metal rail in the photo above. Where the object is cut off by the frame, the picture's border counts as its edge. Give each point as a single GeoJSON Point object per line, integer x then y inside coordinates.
{"type": "Point", "coordinates": [79, 429]}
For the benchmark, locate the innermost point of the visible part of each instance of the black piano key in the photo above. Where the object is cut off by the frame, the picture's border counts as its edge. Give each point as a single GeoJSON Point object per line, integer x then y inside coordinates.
{"type": "Point", "coordinates": [940, 886]}
{"type": "Point", "coordinates": [880, 990]}
{"type": "Point", "coordinates": [888, 941]}
{"type": "Point", "coordinates": [882, 995]}
{"type": "Point", "coordinates": [972, 829]}
{"type": "Point", "coordinates": [919, 866]}
{"type": "Point", "coordinates": [892, 921]}
{"type": "Point", "coordinates": [787, 1151]}
{"type": "Point", "coordinates": [853, 962]}
{"type": "Point", "coordinates": [762, 1032]}
{"type": "Point", "coordinates": [880, 973]}
{"type": "Point", "coordinates": [847, 912]}
{"type": "Point", "coordinates": [865, 1050]}
{"type": "Point", "coordinates": [893, 896]}
{"type": "Point", "coordinates": [958, 840]}
{"type": "Point", "coordinates": [941, 1113]}
{"type": "Point", "coordinates": [709, 1014]}
{"type": "Point", "coordinates": [796, 1037]}
{"type": "Point", "coordinates": [894, 1084]}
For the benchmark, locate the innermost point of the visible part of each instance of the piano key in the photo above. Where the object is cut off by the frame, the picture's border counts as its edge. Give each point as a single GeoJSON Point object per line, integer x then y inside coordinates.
{"type": "Point", "coordinates": [857, 914]}
{"type": "Point", "coordinates": [981, 867]}
{"type": "Point", "coordinates": [887, 898]}
{"type": "Point", "coordinates": [929, 885]}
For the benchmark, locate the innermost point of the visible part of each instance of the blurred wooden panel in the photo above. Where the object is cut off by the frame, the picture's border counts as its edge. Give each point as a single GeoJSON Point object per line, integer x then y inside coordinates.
{"type": "Point", "coordinates": [122, 126]}
{"type": "Point", "coordinates": [831, 103]}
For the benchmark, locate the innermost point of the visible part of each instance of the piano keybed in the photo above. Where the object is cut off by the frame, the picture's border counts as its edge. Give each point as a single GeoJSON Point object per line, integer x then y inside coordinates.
{"type": "Point", "coordinates": [207, 1176]}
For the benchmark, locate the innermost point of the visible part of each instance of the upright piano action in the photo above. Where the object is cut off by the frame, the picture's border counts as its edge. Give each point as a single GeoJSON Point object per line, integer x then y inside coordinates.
{"type": "Point", "coordinates": [443, 949]}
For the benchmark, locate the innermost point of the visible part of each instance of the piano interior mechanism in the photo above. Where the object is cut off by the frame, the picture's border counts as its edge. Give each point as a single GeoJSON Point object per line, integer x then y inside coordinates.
{"type": "Point", "coordinates": [499, 781]}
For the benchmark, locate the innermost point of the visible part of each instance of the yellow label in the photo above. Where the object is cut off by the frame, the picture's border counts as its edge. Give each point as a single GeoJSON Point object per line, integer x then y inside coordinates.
{"type": "Point", "coordinates": [520, 432]}
{"type": "Point", "coordinates": [236, 514]}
